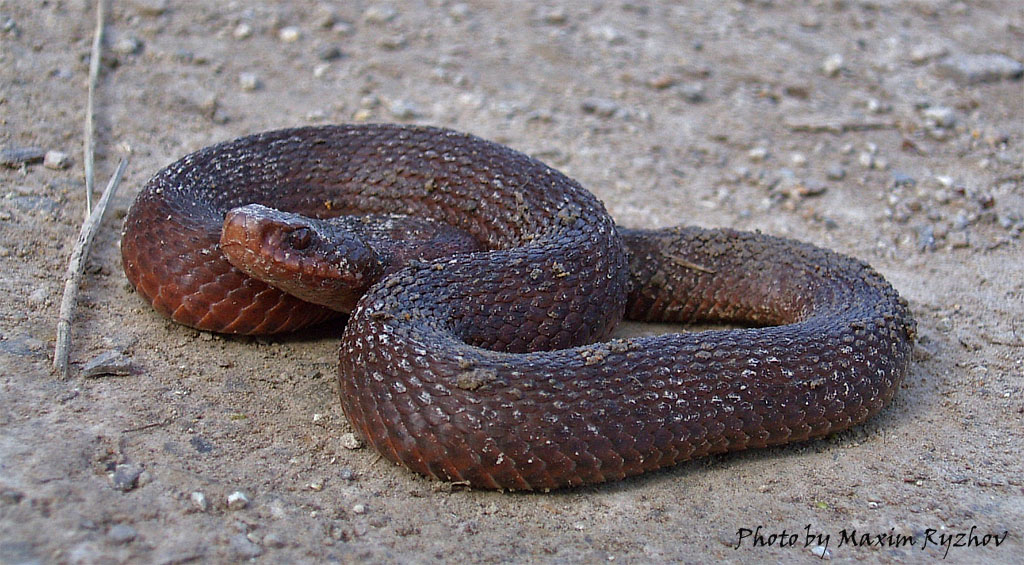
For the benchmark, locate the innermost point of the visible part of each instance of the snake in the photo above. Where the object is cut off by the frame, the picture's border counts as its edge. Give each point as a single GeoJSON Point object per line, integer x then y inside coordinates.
{"type": "Point", "coordinates": [483, 356]}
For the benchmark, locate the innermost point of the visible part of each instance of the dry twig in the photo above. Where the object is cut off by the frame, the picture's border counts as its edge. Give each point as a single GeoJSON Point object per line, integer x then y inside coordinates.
{"type": "Point", "coordinates": [93, 217]}
{"type": "Point", "coordinates": [94, 73]}
{"type": "Point", "coordinates": [74, 274]}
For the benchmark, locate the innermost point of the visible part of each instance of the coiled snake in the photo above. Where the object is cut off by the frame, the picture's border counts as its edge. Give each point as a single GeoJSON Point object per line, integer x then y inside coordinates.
{"type": "Point", "coordinates": [482, 361]}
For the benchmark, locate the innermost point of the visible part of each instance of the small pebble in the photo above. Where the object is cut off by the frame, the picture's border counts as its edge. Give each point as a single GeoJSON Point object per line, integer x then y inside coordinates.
{"type": "Point", "coordinates": [17, 156]}
{"type": "Point", "coordinates": [974, 69]}
{"type": "Point", "coordinates": [199, 501]}
{"type": "Point", "coordinates": [379, 14]}
{"type": "Point", "coordinates": [108, 363]}
{"type": "Point", "coordinates": [241, 545]}
{"type": "Point", "coordinates": [273, 540]}
{"type": "Point", "coordinates": [821, 552]}
{"type": "Point", "coordinates": [832, 65]}
{"type": "Point", "coordinates": [237, 501]}
{"type": "Point", "coordinates": [876, 106]}
{"type": "Point", "coordinates": [341, 27]}
{"type": "Point", "coordinates": [249, 81]}
{"type": "Point", "coordinates": [940, 116]}
{"type": "Point", "coordinates": [242, 31]}
{"type": "Point", "coordinates": [11, 496]}
{"type": "Point", "coordinates": [403, 110]}
{"type": "Point", "coordinates": [835, 172]}
{"type": "Point", "coordinates": [121, 534]}
{"type": "Point", "coordinates": [606, 33]}
{"type": "Point", "coordinates": [962, 220]}
{"type": "Point", "coordinates": [757, 154]}
{"type": "Point", "coordinates": [349, 440]}
{"type": "Point", "coordinates": [926, 238]}
{"type": "Point", "coordinates": [924, 53]}
{"type": "Point", "coordinates": [359, 509]}
{"type": "Point", "coordinates": [329, 53]}
{"type": "Point", "coordinates": [693, 92]}
{"type": "Point", "coordinates": [128, 45]}
{"type": "Point", "coordinates": [554, 16]}
{"type": "Point", "coordinates": [150, 7]}
{"type": "Point", "coordinates": [662, 81]}
{"type": "Point", "coordinates": [902, 179]}
{"type": "Point", "coordinates": [958, 240]}
{"type": "Point", "coordinates": [56, 160]}
{"type": "Point", "coordinates": [810, 21]}
{"type": "Point", "coordinates": [810, 187]}
{"type": "Point", "coordinates": [38, 297]}
{"type": "Point", "coordinates": [289, 34]}
{"type": "Point", "coordinates": [392, 42]}
{"type": "Point", "coordinates": [599, 107]}
{"type": "Point", "coordinates": [126, 476]}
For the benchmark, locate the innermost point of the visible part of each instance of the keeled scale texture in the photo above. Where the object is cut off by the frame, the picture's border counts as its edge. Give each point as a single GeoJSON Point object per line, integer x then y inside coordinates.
{"type": "Point", "coordinates": [473, 368]}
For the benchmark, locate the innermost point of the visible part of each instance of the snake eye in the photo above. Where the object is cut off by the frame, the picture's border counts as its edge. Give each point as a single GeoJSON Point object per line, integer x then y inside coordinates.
{"type": "Point", "coordinates": [300, 238]}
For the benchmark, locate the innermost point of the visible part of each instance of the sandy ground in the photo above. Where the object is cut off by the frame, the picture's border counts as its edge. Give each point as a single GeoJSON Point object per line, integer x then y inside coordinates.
{"type": "Point", "coordinates": [891, 131]}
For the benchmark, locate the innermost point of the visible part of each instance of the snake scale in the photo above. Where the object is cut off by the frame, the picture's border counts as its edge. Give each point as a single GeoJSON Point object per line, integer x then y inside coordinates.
{"type": "Point", "coordinates": [490, 366]}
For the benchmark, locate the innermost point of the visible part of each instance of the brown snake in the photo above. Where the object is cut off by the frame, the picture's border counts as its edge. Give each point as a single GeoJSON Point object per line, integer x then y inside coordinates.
{"type": "Point", "coordinates": [487, 366]}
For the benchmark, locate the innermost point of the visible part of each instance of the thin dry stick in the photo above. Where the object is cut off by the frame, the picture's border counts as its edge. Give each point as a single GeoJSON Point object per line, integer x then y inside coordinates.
{"type": "Point", "coordinates": [94, 73]}
{"type": "Point", "coordinates": [74, 275]}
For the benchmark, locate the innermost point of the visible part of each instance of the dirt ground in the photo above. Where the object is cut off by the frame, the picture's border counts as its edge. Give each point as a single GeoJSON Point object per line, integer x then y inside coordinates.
{"type": "Point", "coordinates": [891, 131]}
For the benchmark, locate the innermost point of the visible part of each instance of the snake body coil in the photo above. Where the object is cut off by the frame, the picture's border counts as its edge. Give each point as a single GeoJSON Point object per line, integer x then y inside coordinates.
{"type": "Point", "coordinates": [486, 366]}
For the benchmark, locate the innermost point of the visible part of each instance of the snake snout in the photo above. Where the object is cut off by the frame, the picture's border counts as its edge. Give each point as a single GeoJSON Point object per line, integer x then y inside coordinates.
{"type": "Point", "coordinates": [314, 260]}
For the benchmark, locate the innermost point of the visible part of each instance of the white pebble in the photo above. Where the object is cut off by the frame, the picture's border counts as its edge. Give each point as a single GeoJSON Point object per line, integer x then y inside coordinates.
{"type": "Point", "coordinates": [237, 500]}
{"type": "Point", "coordinates": [832, 65]}
{"type": "Point", "coordinates": [56, 160]}
{"type": "Point", "coordinates": [127, 46]}
{"type": "Point", "coordinates": [605, 33]}
{"type": "Point", "coordinates": [350, 441]}
{"type": "Point", "coordinates": [242, 31]}
{"type": "Point", "coordinates": [199, 501]}
{"type": "Point", "coordinates": [289, 34]}
{"type": "Point", "coordinates": [249, 81]}
{"type": "Point", "coordinates": [940, 116]}
{"type": "Point", "coordinates": [757, 154]}
{"type": "Point", "coordinates": [359, 509]}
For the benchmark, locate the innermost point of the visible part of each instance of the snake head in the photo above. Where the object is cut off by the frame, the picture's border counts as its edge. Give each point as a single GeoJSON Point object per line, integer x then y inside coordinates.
{"type": "Point", "coordinates": [319, 261]}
